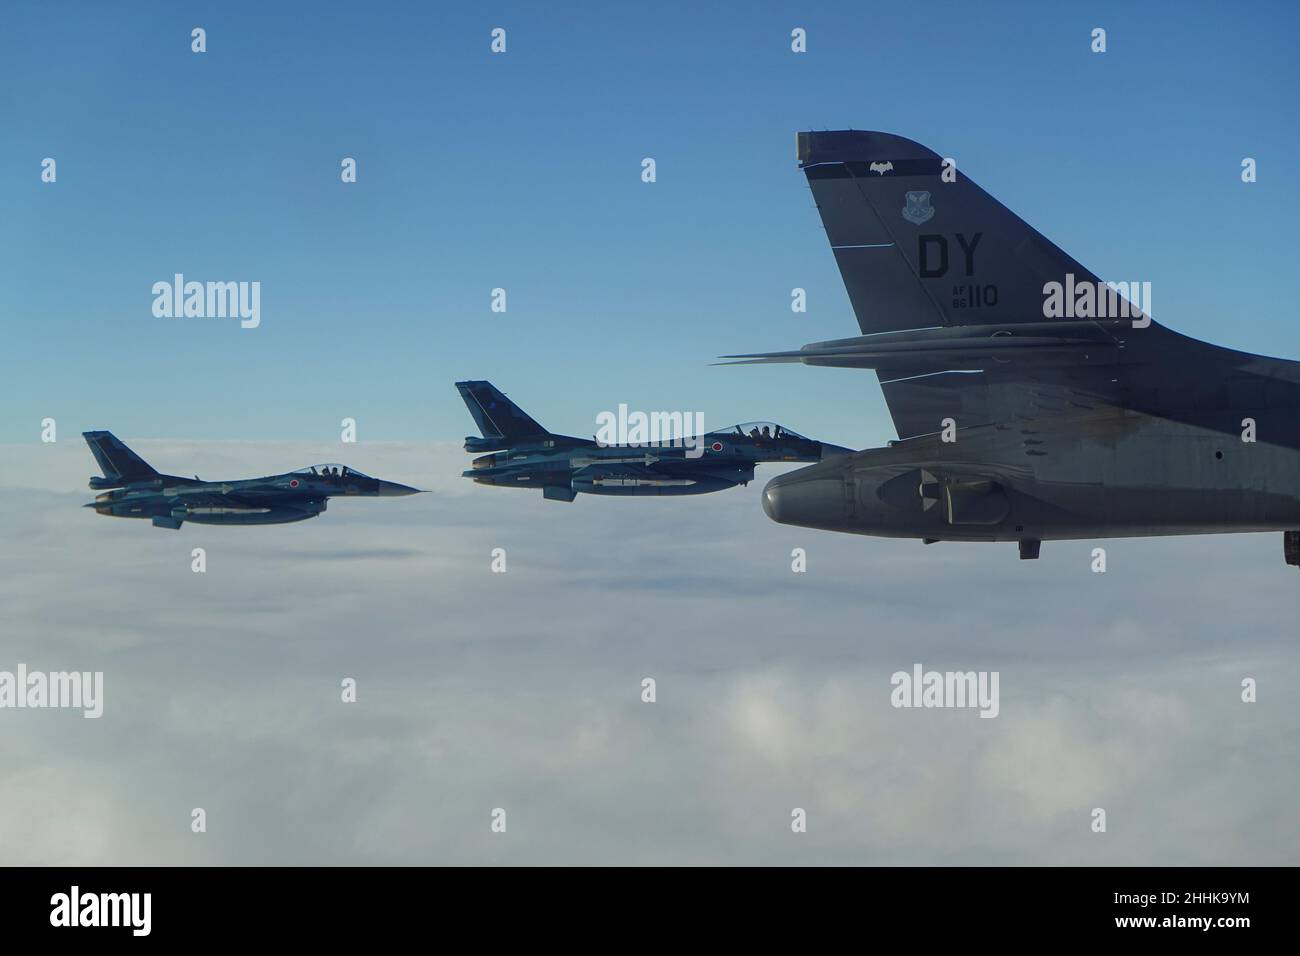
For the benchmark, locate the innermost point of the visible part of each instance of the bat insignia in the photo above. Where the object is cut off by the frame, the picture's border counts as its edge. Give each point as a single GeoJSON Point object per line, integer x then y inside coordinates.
{"type": "Point", "coordinates": [881, 168]}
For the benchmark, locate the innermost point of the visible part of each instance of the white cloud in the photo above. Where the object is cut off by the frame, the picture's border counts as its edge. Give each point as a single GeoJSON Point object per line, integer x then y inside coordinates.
{"type": "Point", "coordinates": [479, 690]}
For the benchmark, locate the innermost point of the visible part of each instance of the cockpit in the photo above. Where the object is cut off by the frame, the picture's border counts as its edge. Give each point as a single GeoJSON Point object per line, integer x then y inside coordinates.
{"type": "Point", "coordinates": [758, 430]}
{"type": "Point", "coordinates": [329, 471]}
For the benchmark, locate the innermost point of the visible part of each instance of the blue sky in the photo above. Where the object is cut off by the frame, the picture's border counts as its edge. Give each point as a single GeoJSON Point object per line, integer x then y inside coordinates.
{"type": "Point", "coordinates": [523, 171]}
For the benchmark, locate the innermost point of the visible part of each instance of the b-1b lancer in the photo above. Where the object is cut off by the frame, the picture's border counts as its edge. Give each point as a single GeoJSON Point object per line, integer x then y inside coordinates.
{"type": "Point", "coordinates": [138, 491]}
{"type": "Point", "coordinates": [1032, 401]}
{"type": "Point", "coordinates": [526, 455]}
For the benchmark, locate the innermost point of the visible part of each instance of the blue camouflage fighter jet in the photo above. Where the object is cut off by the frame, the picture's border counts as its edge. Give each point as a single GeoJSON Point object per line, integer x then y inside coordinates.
{"type": "Point", "coordinates": [526, 455]}
{"type": "Point", "coordinates": [138, 491]}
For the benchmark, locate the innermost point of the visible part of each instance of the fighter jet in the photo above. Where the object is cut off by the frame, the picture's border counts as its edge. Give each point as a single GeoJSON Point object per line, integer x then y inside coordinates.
{"type": "Point", "coordinates": [526, 455]}
{"type": "Point", "coordinates": [1032, 401]}
{"type": "Point", "coordinates": [141, 492]}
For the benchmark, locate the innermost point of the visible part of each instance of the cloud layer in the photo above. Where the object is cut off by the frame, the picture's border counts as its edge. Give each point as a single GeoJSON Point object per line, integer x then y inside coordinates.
{"type": "Point", "coordinates": [523, 690]}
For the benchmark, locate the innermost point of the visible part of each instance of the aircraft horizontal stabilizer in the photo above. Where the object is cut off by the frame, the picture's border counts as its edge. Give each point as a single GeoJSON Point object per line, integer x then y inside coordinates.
{"type": "Point", "coordinates": [964, 347]}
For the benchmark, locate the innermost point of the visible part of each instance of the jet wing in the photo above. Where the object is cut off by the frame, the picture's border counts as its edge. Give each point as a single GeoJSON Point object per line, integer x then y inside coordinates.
{"type": "Point", "coordinates": [980, 375]}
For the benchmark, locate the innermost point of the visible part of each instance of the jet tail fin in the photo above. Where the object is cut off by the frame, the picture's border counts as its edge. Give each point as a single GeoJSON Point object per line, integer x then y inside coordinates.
{"type": "Point", "coordinates": [921, 245]}
{"type": "Point", "coordinates": [119, 463]}
{"type": "Point", "coordinates": [498, 418]}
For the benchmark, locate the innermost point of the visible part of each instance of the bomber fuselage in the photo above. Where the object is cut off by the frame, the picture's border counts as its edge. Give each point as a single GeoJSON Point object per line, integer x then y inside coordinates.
{"type": "Point", "coordinates": [1107, 472]}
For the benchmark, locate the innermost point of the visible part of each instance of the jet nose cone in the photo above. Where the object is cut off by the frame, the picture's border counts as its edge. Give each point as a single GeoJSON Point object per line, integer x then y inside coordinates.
{"type": "Point", "coordinates": [772, 500]}
{"type": "Point", "coordinates": [391, 489]}
{"type": "Point", "coordinates": [829, 450]}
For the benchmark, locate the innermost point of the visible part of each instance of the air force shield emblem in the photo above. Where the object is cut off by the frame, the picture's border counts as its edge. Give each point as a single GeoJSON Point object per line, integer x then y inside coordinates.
{"type": "Point", "coordinates": [918, 208]}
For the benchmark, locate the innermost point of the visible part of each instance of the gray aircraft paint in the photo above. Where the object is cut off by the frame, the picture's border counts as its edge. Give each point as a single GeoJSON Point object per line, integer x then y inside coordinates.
{"type": "Point", "coordinates": [1065, 428]}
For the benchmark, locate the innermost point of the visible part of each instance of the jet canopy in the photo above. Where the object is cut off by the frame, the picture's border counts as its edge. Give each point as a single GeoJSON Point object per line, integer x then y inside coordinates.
{"type": "Point", "coordinates": [758, 430]}
{"type": "Point", "coordinates": [331, 470]}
